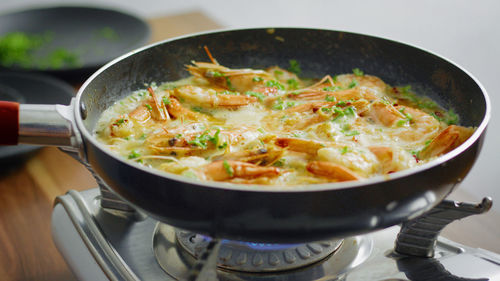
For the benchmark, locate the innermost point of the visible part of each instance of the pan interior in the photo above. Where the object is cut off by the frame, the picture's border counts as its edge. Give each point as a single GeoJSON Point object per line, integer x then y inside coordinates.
{"type": "Point", "coordinates": [318, 52]}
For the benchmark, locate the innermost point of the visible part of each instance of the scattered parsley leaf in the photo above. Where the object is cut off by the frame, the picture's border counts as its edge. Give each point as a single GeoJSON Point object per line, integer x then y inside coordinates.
{"type": "Point", "coordinates": [294, 67]}
{"type": "Point", "coordinates": [229, 169]}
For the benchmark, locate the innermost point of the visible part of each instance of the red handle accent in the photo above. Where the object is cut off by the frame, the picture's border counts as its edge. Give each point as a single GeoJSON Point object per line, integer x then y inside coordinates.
{"type": "Point", "coordinates": [9, 122]}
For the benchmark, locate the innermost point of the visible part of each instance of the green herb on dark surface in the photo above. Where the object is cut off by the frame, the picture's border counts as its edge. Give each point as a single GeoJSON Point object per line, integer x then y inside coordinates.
{"type": "Point", "coordinates": [107, 33]}
{"type": "Point", "coordinates": [25, 50]}
{"type": "Point", "coordinates": [358, 72]}
{"type": "Point", "coordinates": [278, 73]}
{"type": "Point", "coordinates": [229, 169]}
{"type": "Point", "coordinates": [294, 67]}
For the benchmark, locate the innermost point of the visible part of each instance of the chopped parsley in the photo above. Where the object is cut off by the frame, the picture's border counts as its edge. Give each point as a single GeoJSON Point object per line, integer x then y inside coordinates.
{"type": "Point", "coordinates": [330, 98]}
{"type": "Point", "coordinates": [214, 74]}
{"type": "Point", "coordinates": [203, 139]}
{"type": "Point", "coordinates": [332, 88]}
{"type": "Point", "coordinates": [349, 111]}
{"type": "Point", "coordinates": [229, 169]}
{"type": "Point", "coordinates": [133, 154]}
{"type": "Point", "coordinates": [258, 95]}
{"type": "Point", "coordinates": [166, 100]}
{"type": "Point", "coordinates": [278, 73]}
{"type": "Point", "coordinates": [408, 118]}
{"type": "Point", "coordinates": [351, 133]}
{"type": "Point", "coordinates": [148, 107]}
{"type": "Point", "coordinates": [294, 67]}
{"type": "Point", "coordinates": [228, 93]}
{"type": "Point", "coordinates": [358, 72]}
{"type": "Point", "coordinates": [275, 84]}
{"type": "Point", "coordinates": [229, 84]}
{"type": "Point", "coordinates": [353, 84]}
{"type": "Point", "coordinates": [344, 150]}
{"type": "Point", "coordinates": [292, 84]}
{"type": "Point", "coordinates": [280, 163]}
{"type": "Point", "coordinates": [257, 79]}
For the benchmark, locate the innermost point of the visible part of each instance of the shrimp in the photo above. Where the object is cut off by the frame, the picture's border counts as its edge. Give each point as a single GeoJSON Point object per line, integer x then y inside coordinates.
{"type": "Point", "coordinates": [261, 156]}
{"type": "Point", "coordinates": [447, 140]}
{"type": "Point", "coordinates": [158, 110]}
{"type": "Point", "coordinates": [210, 98]}
{"type": "Point", "coordinates": [229, 169]}
{"type": "Point", "coordinates": [383, 113]}
{"type": "Point", "coordinates": [240, 80]}
{"type": "Point", "coordinates": [184, 140]}
{"type": "Point", "coordinates": [362, 81]}
{"type": "Point", "coordinates": [332, 171]}
{"type": "Point", "coordinates": [421, 126]}
{"type": "Point", "coordinates": [301, 145]}
{"type": "Point", "coordinates": [178, 111]}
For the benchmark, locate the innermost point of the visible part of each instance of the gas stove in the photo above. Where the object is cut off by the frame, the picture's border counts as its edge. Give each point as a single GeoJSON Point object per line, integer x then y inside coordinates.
{"type": "Point", "coordinates": [102, 238]}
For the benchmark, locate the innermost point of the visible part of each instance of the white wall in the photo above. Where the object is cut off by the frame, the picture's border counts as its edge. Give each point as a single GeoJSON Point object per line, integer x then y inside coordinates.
{"type": "Point", "coordinates": [467, 32]}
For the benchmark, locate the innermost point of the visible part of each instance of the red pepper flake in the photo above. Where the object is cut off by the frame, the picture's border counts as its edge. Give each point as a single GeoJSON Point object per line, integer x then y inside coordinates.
{"type": "Point", "coordinates": [438, 114]}
{"type": "Point", "coordinates": [416, 158]}
{"type": "Point", "coordinates": [395, 90]}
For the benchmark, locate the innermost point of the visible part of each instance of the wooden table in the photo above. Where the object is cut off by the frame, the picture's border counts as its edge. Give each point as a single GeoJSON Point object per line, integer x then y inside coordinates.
{"type": "Point", "coordinates": [28, 188]}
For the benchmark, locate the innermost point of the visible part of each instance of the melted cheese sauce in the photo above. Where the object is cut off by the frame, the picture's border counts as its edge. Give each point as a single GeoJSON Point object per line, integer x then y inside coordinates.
{"type": "Point", "coordinates": [271, 127]}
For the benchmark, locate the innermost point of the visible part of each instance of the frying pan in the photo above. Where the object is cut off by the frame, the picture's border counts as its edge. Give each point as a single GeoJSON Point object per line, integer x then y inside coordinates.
{"type": "Point", "coordinates": [266, 213]}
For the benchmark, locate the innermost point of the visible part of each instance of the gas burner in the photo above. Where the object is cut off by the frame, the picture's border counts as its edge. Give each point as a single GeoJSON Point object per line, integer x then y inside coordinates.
{"type": "Point", "coordinates": [115, 244]}
{"type": "Point", "coordinates": [241, 260]}
{"type": "Point", "coordinates": [256, 257]}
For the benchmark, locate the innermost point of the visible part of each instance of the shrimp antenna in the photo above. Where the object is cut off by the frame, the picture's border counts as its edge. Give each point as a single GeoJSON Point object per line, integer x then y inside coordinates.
{"type": "Point", "coordinates": [214, 61]}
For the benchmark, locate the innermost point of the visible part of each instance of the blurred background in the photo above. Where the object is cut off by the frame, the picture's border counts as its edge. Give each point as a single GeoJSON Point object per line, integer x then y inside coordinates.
{"type": "Point", "coordinates": [465, 32]}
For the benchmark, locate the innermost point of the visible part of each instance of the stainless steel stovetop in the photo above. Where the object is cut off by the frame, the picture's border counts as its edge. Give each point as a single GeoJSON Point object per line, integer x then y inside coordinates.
{"type": "Point", "coordinates": [106, 244]}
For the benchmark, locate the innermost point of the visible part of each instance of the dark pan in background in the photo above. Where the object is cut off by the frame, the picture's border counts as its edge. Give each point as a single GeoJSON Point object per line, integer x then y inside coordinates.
{"type": "Point", "coordinates": [97, 35]}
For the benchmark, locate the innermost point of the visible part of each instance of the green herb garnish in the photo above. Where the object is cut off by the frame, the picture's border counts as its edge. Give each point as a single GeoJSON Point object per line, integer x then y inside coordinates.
{"type": "Point", "coordinates": [292, 84]}
{"type": "Point", "coordinates": [344, 150]}
{"type": "Point", "coordinates": [294, 67]}
{"type": "Point", "coordinates": [353, 84]}
{"type": "Point", "coordinates": [148, 107]}
{"type": "Point", "coordinates": [358, 72]}
{"type": "Point", "coordinates": [257, 79]}
{"type": "Point", "coordinates": [133, 155]}
{"type": "Point", "coordinates": [229, 169]}
{"type": "Point", "coordinates": [276, 84]}
{"type": "Point", "coordinates": [258, 95]}
{"type": "Point", "coordinates": [330, 98]}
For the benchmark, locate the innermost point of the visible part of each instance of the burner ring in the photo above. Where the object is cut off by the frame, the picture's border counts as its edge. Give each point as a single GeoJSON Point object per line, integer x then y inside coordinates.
{"type": "Point", "coordinates": [259, 257]}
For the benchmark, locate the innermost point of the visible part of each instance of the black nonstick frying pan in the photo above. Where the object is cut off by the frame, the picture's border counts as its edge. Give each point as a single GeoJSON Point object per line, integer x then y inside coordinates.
{"type": "Point", "coordinates": [93, 35]}
{"type": "Point", "coordinates": [263, 213]}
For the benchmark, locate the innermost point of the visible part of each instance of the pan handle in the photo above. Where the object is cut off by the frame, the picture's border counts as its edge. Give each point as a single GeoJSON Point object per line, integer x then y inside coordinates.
{"type": "Point", "coordinates": [39, 124]}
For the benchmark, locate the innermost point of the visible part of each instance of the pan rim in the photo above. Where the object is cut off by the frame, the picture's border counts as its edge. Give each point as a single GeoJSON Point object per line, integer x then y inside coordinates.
{"type": "Point", "coordinates": [441, 160]}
